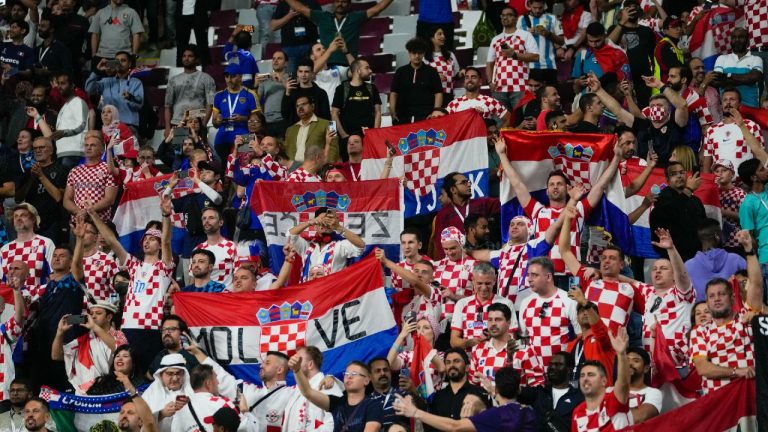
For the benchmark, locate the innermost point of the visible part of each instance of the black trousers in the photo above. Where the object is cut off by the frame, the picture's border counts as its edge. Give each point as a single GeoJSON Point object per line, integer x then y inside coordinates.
{"type": "Point", "coordinates": [185, 25]}
{"type": "Point", "coordinates": [150, 9]}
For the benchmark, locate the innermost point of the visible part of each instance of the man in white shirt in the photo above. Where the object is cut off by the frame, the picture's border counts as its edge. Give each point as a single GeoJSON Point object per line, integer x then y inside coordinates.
{"type": "Point", "coordinates": [162, 396]}
{"type": "Point", "coordinates": [487, 106]}
{"type": "Point", "coordinates": [644, 402]}
{"type": "Point", "coordinates": [71, 123]}
{"type": "Point", "coordinates": [301, 415]}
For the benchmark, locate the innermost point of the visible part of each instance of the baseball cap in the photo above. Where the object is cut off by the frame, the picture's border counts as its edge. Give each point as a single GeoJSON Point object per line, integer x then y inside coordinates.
{"type": "Point", "coordinates": [210, 166]}
{"type": "Point", "coordinates": [107, 306]}
{"type": "Point", "coordinates": [725, 163]}
{"type": "Point", "coordinates": [232, 69]}
{"type": "Point", "coordinates": [30, 208]}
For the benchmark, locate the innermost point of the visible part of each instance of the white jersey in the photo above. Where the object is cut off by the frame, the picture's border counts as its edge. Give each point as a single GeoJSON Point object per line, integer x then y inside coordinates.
{"type": "Point", "coordinates": [205, 405]}
{"type": "Point", "coordinates": [303, 416]}
{"type": "Point", "coordinates": [269, 412]}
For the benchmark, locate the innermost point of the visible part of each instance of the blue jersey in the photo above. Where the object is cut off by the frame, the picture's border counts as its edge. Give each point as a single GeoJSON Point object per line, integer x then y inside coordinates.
{"type": "Point", "coordinates": [226, 103]}
{"type": "Point", "coordinates": [248, 66]}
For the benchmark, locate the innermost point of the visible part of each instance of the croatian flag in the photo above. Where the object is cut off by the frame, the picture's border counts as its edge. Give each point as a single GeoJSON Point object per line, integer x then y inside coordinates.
{"type": "Point", "coordinates": [345, 315]}
{"type": "Point", "coordinates": [712, 34]}
{"type": "Point", "coordinates": [425, 152]}
{"type": "Point", "coordinates": [581, 157]}
{"type": "Point", "coordinates": [370, 209]}
{"type": "Point", "coordinates": [641, 230]}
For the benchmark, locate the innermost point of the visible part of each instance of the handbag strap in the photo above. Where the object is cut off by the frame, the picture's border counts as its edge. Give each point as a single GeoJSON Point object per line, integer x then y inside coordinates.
{"type": "Point", "coordinates": [194, 416]}
{"type": "Point", "coordinates": [344, 427]}
{"type": "Point", "coordinates": [265, 397]}
{"type": "Point", "coordinates": [514, 267]}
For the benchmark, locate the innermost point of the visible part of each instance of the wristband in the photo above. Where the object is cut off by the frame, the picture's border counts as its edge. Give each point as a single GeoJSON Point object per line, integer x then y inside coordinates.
{"type": "Point", "coordinates": [750, 253]}
{"type": "Point", "coordinates": [165, 215]}
{"type": "Point", "coordinates": [733, 373]}
{"type": "Point", "coordinates": [664, 87]}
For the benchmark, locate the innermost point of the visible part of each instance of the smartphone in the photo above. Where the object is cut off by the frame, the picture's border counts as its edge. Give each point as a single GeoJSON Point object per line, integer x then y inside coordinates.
{"type": "Point", "coordinates": [332, 126]}
{"type": "Point", "coordinates": [264, 75]}
{"type": "Point", "coordinates": [405, 373]}
{"type": "Point", "coordinates": [390, 147]}
{"type": "Point", "coordinates": [504, 45]}
{"type": "Point", "coordinates": [179, 135]}
{"type": "Point", "coordinates": [411, 316]}
{"type": "Point", "coordinates": [113, 64]}
{"type": "Point", "coordinates": [248, 28]}
{"type": "Point", "coordinates": [573, 281]}
{"type": "Point", "coordinates": [182, 398]}
{"type": "Point", "coordinates": [76, 319]}
{"type": "Point", "coordinates": [182, 174]}
{"type": "Point", "coordinates": [184, 342]}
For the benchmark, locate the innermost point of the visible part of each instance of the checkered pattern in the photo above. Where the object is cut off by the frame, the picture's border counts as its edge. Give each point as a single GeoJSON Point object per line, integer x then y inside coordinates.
{"type": "Point", "coordinates": [445, 67]}
{"type": "Point", "coordinates": [543, 216]}
{"type": "Point", "coordinates": [756, 12]}
{"type": "Point", "coordinates": [529, 365]}
{"type": "Point", "coordinates": [674, 317]}
{"type": "Point", "coordinates": [36, 253]}
{"type": "Point", "coordinates": [721, 30]}
{"type": "Point", "coordinates": [547, 327]}
{"type": "Point", "coordinates": [98, 271]}
{"type": "Point", "coordinates": [471, 316]}
{"type": "Point", "coordinates": [225, 252]}
{"type": "Point", "coordinates": [613, 299]}
{"type": "Point", "coordinates": [146, 294]}
{"type": "Point", "coordinates": [728, 345]}
{"type": "Point", "coordinates": [303, 176]}
{"type": "Point", "coordinates": [277, 171]}
{"type": "Point", "coordinates": [421, 168]}
{"type": "Point", "coordinates": [89, 184]}
{"type": "Point", "coordinates": [488, 106]}
{"type": "Point", "coordinates": [510, 75]}
{"type": "Point", "coordinates": [698, 106]}
{"type": "Point", "coordinates": [731, 199]}
{"type": "Point", "coordinates": [311, 230]}
{"type": "Point", "coordinates": [725, 141]}
{"type": "Point", "coordinates": [397, 282]}
{"type": "Point", "coordinates": [577, 170]}
{"type": "Point", "coordinates": [610, 417]}
{"type": "Point", "coordinates": [485, 361]}
{"type": "Point", "coordinates": [284, 338]}
{"type": "Point", "coordinates": [406, 357]}
{"type": "Point", "coordinates": [8, 337]}
{"type": "Point", "coordinates": [509, 287]}
{"type": "Point", "coordinates": [598, 240]}
{"type": "Point", "coordinates": [457, 277]}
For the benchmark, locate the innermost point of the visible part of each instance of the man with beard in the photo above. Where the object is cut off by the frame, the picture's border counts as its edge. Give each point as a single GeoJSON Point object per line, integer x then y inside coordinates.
{"type": "Point", "coordinates": [487, 106]}
{"type": "Point", "coordinates": [740, 69]}
{"type": "Point", "coordinates": [224, 250]}
{"type": "Point", "coordinates": [70, 123]}
{"type": "Point", "coordinates": [191, 89]}
{"type": "Point", "coordinates": [20, 117]}
{"type": "Point", "coordinates": [753, 216]}
{"type": "Point", "coordinates": [731, 197]}
{"type": "Point", "coordinates": [723, 349]}
{"type": "Point", "coordinates": [273, 396]}
{"type": "Point", "coordinates": [602, 409]}
{"type": "Point", "coordinates": [448, 401]}
{"type": "Point", "coordinates": [172, 327]}
{"type": "Point", "coordinates": [491, 355]}
{"type": "Point", "coordinates": [135, 416]}
{"type": "Point", "coordinates": [117, 87]}
{"type": "Point", "coordinates": [18, 395]}
{"type": "Point", "coordinates": [476, 227]}
{"type": "Point", "coordinates": [51, 54]}
{"type": "Point", "coordinates": [547, 31]}
{"type": "Point", "coordinates": [201, 265]}
{"type": "Point", "coordinates": [309, 130]}
{"type": "Point", "coordinates": [384, 393]}
{"type": "Point", "coordinates": [36, 415]}
{"type": "Point", "coordinates": [271, 89]}
{"type": "Point", "coordinates": [701, 83]}
{"type": "Point", "coordinates": [598, 59]}
{"type": "Point", "coordinates": [734, 138]}
{"type": "Point", "coordinates": [356, 104]}
{"type": "Point", "coordinates": [644, 402]}
{"type": "Point", "coordinates": [666, 53]}
{"type": "Point", "coordinates": [639, 42]}
{"type": "Point", "coordinates": [555, 400]}
{"type": "Point", "coordinates": [550, 101]}
{"type": "Point", "coordinates": [171, 381]}
{"type": "Point", "coordinates": [678, 77]}
{"type": "Point", "coordinates": [417, 292]}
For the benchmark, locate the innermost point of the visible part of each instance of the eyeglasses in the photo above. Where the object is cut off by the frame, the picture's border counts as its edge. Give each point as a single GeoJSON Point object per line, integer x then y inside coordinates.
{"type": "Point", "coordinates": [544, 307]}
{"type": "Point", "coordinates": [169, 329]}
{"type": "Point", "coordinates": [354, 374]}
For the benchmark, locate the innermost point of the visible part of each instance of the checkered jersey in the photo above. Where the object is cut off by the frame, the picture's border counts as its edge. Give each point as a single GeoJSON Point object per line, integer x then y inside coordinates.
{"type": "Point", "coordinates": [549, 324]}
{"type": "Point", "coordinates": [485, 361]}
{"type": "Point", "coordinates": [427, 306]}
{"type": "Point", "coordinates": [225, 252]}
{"type": "Point", "coordinates": [300, 175]}
{"type": "Point", "coordinates": [543, 216]}
{"type": "Point", "coordinates": [471, 316]}
{"type": "Point", "coordinates": [36, 253]}
{"type": "Point", "coordinates": [457, 277]}
{"type": "Point", "coordinates": [406, 357]}
{"type": "Point", "coordinates": [397, 282]}
{"type": "Point", "coordinates": [277, 171]}
{"type": "Point", "coordinates": [98, 271]}
{"type": "Point", "coordinates": [610, 417]}
{"type": "Point", "coordinates": [613, 299]}
{"type": "Point", "coordinates": [486, 105]}
{"type": "Point", "coordinates": [728, 345]}
{"type": "Point", "coordinates": [756, 12]}
{"type": "Point", "coordinates": [146, 293]}
{"type": "Point", "coordinates": [89, 184]}
{"type": "Point", "coordinates": [446, 67]}
{"type": "Point", "coordinates": [507, 283]}
{"type": "Point", "coordinates": [9, 334]}
{"type": "Point", "coordinates": [672, 312]}
{"type": "Point", "coordinates": [697, 105]}
{"type": "Point", "coordinates": [511, 75]}
{"type": "Point", "coordinates": [725, 141]}
{"type": "Point", "coordinates": [731, 199]}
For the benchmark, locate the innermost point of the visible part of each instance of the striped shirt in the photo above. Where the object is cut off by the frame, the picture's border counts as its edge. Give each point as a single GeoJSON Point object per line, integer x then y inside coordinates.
{"type": "Point", "coordinates": [546, 47]}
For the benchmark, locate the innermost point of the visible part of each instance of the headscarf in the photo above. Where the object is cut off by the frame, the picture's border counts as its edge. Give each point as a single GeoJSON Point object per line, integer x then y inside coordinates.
{"type": "Point", "coordinates": [157, 395]}
{"type": "Point", "coordinates": [432, 322]}
{"type": "Point", "coordinates": [528, 224]}
{"type": "Point", "coordinates": [452, 233]}
{"type": "Point", "coordinates": [110, 128]}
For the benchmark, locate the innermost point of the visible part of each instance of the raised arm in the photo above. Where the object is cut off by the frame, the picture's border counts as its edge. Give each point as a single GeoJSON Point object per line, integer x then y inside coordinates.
{"type": "Point", "coordinates": [682, 280]}
{"type": "Point", "coordinates": [521, 190]}
{"type": "Point", "coordinates": [77, 255]}
{"type": "Point", "coordinates": [378, 8]}
{"type": "Point", "coordinates": [754, 274]}
{"type": "Point", "coordinates": [165, 246]}
{"type": "Point", "coordinates": [593, 198]}
{"type": "Point", "coordinates": [394, 361]}
{"type": "Point", "coordinates": [620, 343]}
{"type": "Point", "coordinates": [405, 407]}
{"type": "Point", "coordinates": [405, 274]}
{"type": "Point", "coordinates": [298, 7]}
{"type": "Point", "coordinates": [757, 149]}
{"type": "Point", "coordinates": [108, 236]}
{"type": "Point", "coordinates": [611, 104]}
{"type": "Point", "coordinates": [681, 106]}
{"type": "Point", "coordinates": [568, 215]}
{"type": "Point", "coordinates": [318, 398]}
{"type": "Point", "coordinates": [637, 183]}
{"type": "Point", "coordinates": [553, 231]}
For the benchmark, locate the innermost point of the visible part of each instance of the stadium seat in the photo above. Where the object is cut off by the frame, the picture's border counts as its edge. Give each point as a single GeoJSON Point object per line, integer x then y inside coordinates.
{"type": "Point", "coordinates": [482, 56]}
{"type": "Point", "coordinates": [223, 18]}
{"type": "Point", "coordinates": [377, 26]}
{"type": "Point", "coordinates": [383, 81]}
{"type": "Point", "coordinates": [271, 48]}
{"type": "Point", "coordinates": [223, 34]}
{"type": "Point", "coordinates": [155, 77]}
{"type": "Point", "coordinates": [381, 63]}
{"type": "Point", "coordinates": [217, 73]}
{"type": "Point", "coordinates": [167, 58]}
{"type": "Point", "coordinates": [465, 56]}
{"type": "Point", "coordinates": [361, 6]}
{"type": "Point", "coordinates": [248, 16]}
{"type": "Point", "coordinates": [398, 8]}
{"type": "Point", "coordinates": [401, 58]}
{"type": "Point", "coordinates": [404, 24]}
{"type": "Point", "coordinates": [236, 4]}
{"type": "Point", "coordinates": [384, 103]}
{"type": "Point", "coordinates": [216, 53]}
{"type": "Point", "coordinates": [369, 45]}
{"type": "Point", "coordinates": [396, 42]}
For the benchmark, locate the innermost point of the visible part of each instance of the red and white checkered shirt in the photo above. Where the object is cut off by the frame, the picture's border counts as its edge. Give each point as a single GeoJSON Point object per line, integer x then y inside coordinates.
{"type": "Point", "coordinates": [486, 360]}
{"type": "Point", "coordinates": [8, 337]}
{"type": "Point", "coordinates": [725, 141]}
{"type": "Point", "coordinates": [610, 417]}
{"type": "Point", "coordinates": [488, 106]}
{"type": "Point", "coordinates": [511, 75]}
{"type": "Point", "coordinates": [697, 105]}
{"type": "Point", "coordinates": [728, 346]}
{"type": "Point", "coordinates": [613, 299]}
{"type": "Point", "coordinates": [89, 184]}
{"type": "Point", "coordinates": [446, 67]}
{"type": "Point", "coordinates": [277, 171]}
{"type": "Point", "coordinates": [225, 252]}
{"type": "Point", "coordinates": [515, 257]}
{"type": "Point", "coordinates": [548, 323]}
{"type": "Point", "coordinates": [36, 253]}
{"type": "Point", "coordinates": [672, 312]}
{"type": "Point", "coordinates": [406, 357]}
{"type": "Point", "coordinates": [98, 271]}
{"type": "Point", "coordinates": [146, 293]}
{"type": "Point", "coordinates": [731, 199]}
{"type": "Point", "coordinates": [543, 216]}
{"type": "Point", "coordinates": [471, 316]}
{"type": "Point", "coordinates": [457, 277]}
{"type": "Point", "coordinates": [300, 175]}
{"type": "Point", "coordinates": [397, 282]}
{"type": "Point", "coordinates": [756, 12]}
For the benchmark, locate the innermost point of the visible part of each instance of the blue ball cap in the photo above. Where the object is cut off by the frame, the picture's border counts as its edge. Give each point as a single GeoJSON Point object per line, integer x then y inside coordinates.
{"type": "Point", "coordinates": [232, 69]}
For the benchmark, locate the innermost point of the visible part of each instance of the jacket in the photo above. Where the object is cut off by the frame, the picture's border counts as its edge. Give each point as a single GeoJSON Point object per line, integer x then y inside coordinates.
{"type": "Point", "coordinates": [315, 135]}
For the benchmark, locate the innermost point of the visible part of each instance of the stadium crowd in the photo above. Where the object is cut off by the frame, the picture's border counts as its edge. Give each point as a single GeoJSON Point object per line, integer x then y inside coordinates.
{"type": "Point", "coordinates": [553, 330]}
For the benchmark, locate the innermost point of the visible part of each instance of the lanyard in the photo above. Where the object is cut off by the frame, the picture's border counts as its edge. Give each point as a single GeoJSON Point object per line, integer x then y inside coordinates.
{"type": "Point", "coordinates": [43, 53]}
{"type": "Point", "coordinates": [231, 105]}
{"type": "Point", "coordinates": [466, 212]}
{"type": "Point", "coordinates": [339, 25]}
{"type": "Point", "coordinates": [355, 177]}
{"type": "Point", "coordinates": [761, 200]}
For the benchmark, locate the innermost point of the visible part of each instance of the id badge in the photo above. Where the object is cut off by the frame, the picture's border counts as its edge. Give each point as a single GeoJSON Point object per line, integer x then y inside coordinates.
{"type": "Point", "coordinates": [229, 128]}
{"type": "Point", "coordinates": [299, 31]}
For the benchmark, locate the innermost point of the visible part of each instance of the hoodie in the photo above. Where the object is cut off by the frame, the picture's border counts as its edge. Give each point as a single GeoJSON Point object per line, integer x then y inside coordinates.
{"type": "Point", "coordinates": [706, 265]}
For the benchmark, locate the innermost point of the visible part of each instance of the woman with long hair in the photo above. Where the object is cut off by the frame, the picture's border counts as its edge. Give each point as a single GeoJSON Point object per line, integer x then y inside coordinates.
{"type": "Point", "coordinates": [124, 375]}
{"type": "Point", "coordinates": [443, 61]}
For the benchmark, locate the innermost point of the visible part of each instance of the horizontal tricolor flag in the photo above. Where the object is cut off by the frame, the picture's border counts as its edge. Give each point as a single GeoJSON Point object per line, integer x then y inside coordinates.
{"type": "Point", "coordinates": [371, 209]}
{"type": "Point", "coordinates": [345, 315]}
{"type": "Point", "coordinates": [711, 35]}
{"type": "Point", "coordinates": [641, 230]}
{"type": "Point", "coordinates": [425, 152]}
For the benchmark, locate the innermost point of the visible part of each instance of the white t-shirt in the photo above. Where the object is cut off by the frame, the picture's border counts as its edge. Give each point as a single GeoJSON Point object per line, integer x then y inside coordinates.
{"type": "Point", "coordinates": [648, 395]}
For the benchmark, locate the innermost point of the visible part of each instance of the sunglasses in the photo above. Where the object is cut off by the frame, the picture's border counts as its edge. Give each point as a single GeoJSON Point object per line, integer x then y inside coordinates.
{"type": "Point", "coordinates": [544, 307]}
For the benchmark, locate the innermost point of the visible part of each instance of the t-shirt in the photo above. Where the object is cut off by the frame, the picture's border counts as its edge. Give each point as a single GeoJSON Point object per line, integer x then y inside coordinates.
{"type": "Point", "coordinates": [333, 256]}
{"type": "Point", "coordinates": [753, 216]}
{"type": "Point", "coordinates": [731, 199]}
{"type": "Point", "coordinates": [546, 46]}
{"type": "Point", "coordinates": [664, 139]}
{"type": "Point", "coordinates": [486, 360]}
{"type": "Point", "coordinates": [509, 74]}
{"type": "Point", "coordinates": [435, 11]}
{"type": "Point", "coordinates": [210, 287]}
{"type": "Point", "coordinates": [416, 90]}
{"type": "Point", "coordinates": [543, 216]}
{"type": "Point", "coordinates": [89, 184]}
{"type": "Point", "coordinates": [726, 141]}
{"type": "Point", "coordinates": [648, 395]}
{"type": "Point", "coordinates": [349, 27]}
{"type": "Point", "coordinates": [146, 293]}
{"type": "Point", "coordinates": [352, 418]}
{"type": "Point", "coordinates": [510, 417]}
{"type": "Point", "coordinates": [248, 66]}
{"type": "Point", "coordinates": [447, 69]}
{"type": "Point", "coordinates": [36, 253]}
{"type": "Point", "coordinates": [227, 103]}
{"type": "Point", "coordinates": [299, 30]}
{"type": "Point", "coordinates": [188, 92]}
{"type": "Point", "coordinates": [512, 262]}
{"type": "Point", "coordinates": [757, 22]}
{"type": "Point", "coordinates": [731, 63]}
{"type": "Point", "coordinates": [10, 332]}
{"type": "Point", "coordinates": [673, 313]}
{"type": "Point", "coordinates": [614, 300]}
{"type": "Point", "coordinates": [115, 26]}
{"type": "Point", "coordinates": [639, 43]}
{"type": "Point", "coordinates": [611, 416]}
{"type": "Point", "coordinates": [19, 57]}
{"type": "Point", "coordinates": [98, 271]}
{"type": "Point", "coordinates": [457, 277]}
{"type": "Point", "coordinates": [470, 316]}
{"type": "Point", "coordinates": [357, 111]}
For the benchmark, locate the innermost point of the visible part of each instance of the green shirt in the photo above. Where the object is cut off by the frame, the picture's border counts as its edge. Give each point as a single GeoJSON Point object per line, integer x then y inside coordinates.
{"type": "Point", "coordinates": [753, 216]}
{"type": "Point", "coordinates": [349, 28]}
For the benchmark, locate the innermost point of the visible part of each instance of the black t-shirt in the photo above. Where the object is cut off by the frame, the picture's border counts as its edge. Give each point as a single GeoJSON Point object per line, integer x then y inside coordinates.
{"type": "Point", "coordinates": [353, 418]}
{"type": "Point", "coordinates": [416, 89]}
{"type": "Point", "coordinates": [448, 404]}
{"type": "Point", "coordinates": [357, 111]}
{"type": "Point", "coordinates": [639, 43]}
{"type": "Point", "coordinates": [664, 139]}
{"type": "Point", "coordinates": [300, 30]}
{"type": "Point", "coordinates": [585, 127]}
{"type": "Point", "coordinates": [47, 207]}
